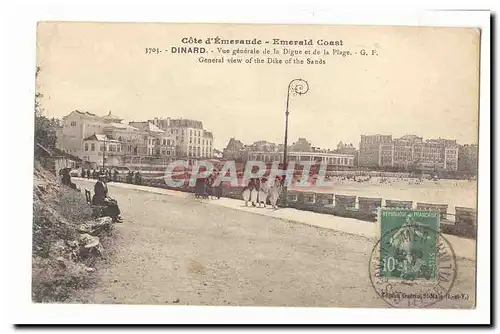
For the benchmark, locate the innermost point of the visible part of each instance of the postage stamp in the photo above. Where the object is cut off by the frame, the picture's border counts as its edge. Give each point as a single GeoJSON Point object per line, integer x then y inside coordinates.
{"type": "Point", "coordinates": [412, 265]}
{"type": "Point", "coordinates": [408, 243]}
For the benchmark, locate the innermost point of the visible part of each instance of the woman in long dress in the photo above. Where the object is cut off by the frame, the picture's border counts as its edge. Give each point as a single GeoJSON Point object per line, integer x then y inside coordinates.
{"type": "Point", "coordinates": [247, 192]}
{"type": "Point", "coordinates": [263, 191]}
{"type": "Point", "coordinates": [274, 192]}
{"type": "Point", "coordinates": [254, 195]}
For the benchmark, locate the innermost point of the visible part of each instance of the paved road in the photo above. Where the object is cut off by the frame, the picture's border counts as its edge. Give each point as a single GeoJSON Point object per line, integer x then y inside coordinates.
{"type": "Point", "coordinates": [182, 250]}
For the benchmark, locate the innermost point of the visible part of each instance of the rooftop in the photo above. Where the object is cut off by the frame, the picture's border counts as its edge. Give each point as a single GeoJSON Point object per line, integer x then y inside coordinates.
{"type": "Point", "coordinates": [146, 126]}
{"type": "Point", "coordinates": [100, 137]}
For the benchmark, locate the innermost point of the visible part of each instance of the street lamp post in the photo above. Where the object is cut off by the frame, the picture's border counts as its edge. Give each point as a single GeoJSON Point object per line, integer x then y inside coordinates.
{"type": "Point", "coordinates": [104, 154]}
{"type": "Point", "coordinates": [296, 87]}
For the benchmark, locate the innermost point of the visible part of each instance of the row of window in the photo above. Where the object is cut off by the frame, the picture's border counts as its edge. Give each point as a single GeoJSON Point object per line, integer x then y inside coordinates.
{"type": "Point", "coordinates": [111, 148]}
{"type": "Point", "coordinates": [167, 142]}
{"type": "Point", "coordinates": [202, 141]}
{"type": "Point", "coordinates": [197, 133]}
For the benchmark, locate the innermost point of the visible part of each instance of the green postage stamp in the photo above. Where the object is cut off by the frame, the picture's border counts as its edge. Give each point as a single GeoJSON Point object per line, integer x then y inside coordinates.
{"type": "Point", "coordinates": [408, 244]}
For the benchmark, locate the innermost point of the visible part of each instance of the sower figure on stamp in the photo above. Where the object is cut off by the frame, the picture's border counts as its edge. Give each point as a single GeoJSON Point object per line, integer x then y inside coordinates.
{"type": "Point", "coordinates": [101, 198]}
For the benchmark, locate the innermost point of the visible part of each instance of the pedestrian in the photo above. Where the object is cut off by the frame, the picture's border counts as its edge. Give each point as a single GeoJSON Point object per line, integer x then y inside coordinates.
{"type": "Point", "coordinates": [83, 173]}
{"type": "Point", "coordinates": [208, 187]}
{"type": "Point", "coordinates": [263, 192]}
{"type": "Point", "coordinates": [199, 188]}
{"type": "Point", "coordinates": [274, 191]}
{"type": "Point", "coordinates": [217, 185]}
{"type": "Point", "coordinates": [115, 175]}
{"type": "Point", "coordinates": [88, 173]}
{"type": "Point", "coordinates": [137, 178]}
{"type": "Point", "coordinates": [247, 191]}
{"type": "Point", "coordinates": [254, 196]}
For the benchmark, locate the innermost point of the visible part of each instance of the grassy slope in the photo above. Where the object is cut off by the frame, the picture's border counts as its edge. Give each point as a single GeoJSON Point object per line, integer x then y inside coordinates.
{"type": "Point", "coordinates": [58, 269]}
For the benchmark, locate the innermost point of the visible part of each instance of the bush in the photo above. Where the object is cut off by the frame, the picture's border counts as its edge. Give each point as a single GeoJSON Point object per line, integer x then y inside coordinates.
{"type": "Point", "coordinates": [54, 282]}
{"type": "Point", "coordinates": [57, 269]}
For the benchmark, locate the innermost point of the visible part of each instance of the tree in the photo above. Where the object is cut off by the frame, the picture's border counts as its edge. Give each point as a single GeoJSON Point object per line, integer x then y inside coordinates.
{"type": "Point", "coordinates": [45, 128]}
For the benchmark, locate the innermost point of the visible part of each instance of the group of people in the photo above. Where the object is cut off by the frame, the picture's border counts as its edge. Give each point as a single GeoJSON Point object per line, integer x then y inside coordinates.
{"type": "Point", "coordinates": [134, 177]}
{"type": "Point", "coordinates": [95, 174]}
{"type": "Point", "coordinates": [207, 187]}
{"type": "Point", "coordinates": [258, 191]}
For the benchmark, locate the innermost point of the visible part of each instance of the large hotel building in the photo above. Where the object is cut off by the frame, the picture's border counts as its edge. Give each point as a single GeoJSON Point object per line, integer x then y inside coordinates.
{"type": "Point", "coordinates": [408, 152]}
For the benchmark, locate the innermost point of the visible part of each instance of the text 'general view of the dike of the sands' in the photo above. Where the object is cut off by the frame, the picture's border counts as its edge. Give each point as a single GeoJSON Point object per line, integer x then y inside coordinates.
{"type": "Point", "coordinates": [216, 50]}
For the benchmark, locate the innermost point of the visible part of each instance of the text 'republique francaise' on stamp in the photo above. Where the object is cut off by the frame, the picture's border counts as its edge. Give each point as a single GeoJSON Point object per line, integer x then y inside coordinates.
{"type": "Point", "coordinates": [412, 265]}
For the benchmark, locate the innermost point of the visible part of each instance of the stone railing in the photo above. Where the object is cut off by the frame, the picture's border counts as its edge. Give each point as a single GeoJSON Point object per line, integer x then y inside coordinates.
{"type": "Point", "coordinates": [363, 208]}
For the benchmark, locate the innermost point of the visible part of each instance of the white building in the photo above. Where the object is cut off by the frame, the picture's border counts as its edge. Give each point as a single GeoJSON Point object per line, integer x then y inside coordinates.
{"type": "Point", "coordinates": [192, 141]}
{"type": "Point", "coordinates": [77, 126]}
{"type": "Point", "coordinates": [330, 158]}
{"type": "Point", "coordinates": [98, 147]}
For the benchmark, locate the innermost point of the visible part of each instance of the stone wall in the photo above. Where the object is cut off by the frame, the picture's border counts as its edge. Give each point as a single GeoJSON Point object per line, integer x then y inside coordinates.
{"type": "Point", "coordinates": [363, 208]}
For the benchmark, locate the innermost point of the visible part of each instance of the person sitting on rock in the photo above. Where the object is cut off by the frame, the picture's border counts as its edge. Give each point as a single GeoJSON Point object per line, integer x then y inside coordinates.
{"type": "Point", "coordinates": [101, 198]}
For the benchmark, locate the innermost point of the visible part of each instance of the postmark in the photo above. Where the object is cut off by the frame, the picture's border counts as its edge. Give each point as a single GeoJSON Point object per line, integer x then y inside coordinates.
{"type": "Point", "coordinates": [412, 265]}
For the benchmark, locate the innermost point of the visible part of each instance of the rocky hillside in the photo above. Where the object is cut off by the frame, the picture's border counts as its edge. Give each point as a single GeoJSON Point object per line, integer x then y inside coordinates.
{"type": "Point", "coordinates": [66, 240]}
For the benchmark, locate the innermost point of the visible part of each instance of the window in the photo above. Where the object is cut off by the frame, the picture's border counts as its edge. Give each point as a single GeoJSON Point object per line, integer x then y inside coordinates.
{"type": "Point", "coordinates": [86, 146]}
{"type": "Point", "coordinates": [73, 123]}
{"type": "Point", "coordinates": [92, 147]}
{"type": "Point", "coordinates": [198, 140]}
{"type": "Point", "coordinates": [168, 152]}
{"type": "Point", "coordinates": [190, 140]}
{"type": "Point", "coordinates": [310, 198]}
{"type": "Point", "coordinates": [157, 142]}
{"type": "Point", "coordinates": [164, 142]}
{"type": "Point", "coordinates": [190, 132]}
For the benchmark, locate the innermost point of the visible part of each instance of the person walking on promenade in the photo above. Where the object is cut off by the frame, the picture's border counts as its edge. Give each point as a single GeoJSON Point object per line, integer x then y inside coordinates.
{"type": "Point", "coordinates": [217, 187]}
{"type": "Point", "coordinates": [247, 191]}
{"type": "Point", "coordinates": [137, 178]}
{"type": "Point", "coordinates": [274, 191]}
{"type": "Point", "coordinates": [263, 192]}
{"type": "Point", "coordinates": [254, 196]}
{"type": "Point", "coordinates": [130, 176]}
{"type": "Point", "coordinates": [88, 173]}
{"type": "Point", "coordinates": [83, 173]}
{"type": "Point", "coordinates": [208, 187]}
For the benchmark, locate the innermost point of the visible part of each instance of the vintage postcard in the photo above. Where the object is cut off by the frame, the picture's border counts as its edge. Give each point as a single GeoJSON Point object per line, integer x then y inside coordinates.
{"type": "Point", "coordinates": [256, 165]}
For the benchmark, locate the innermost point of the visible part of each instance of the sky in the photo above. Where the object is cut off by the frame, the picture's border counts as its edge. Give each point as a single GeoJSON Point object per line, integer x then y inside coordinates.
{"type": "Point", "coordinates": [422, 81]}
